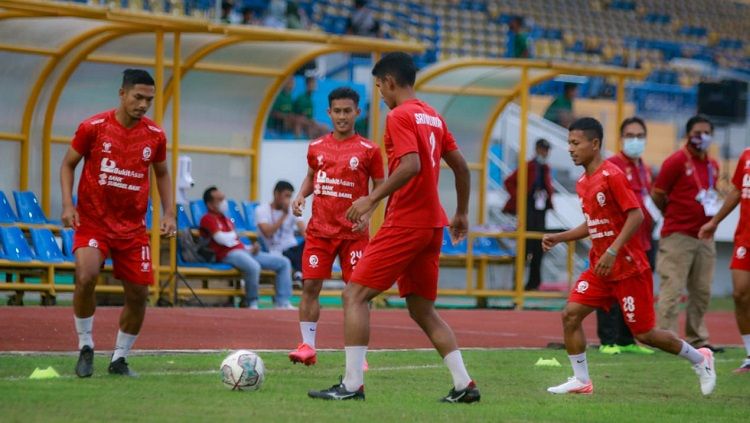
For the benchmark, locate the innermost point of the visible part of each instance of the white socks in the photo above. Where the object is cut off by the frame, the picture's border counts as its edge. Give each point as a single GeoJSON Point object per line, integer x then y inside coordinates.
{"type": "Point", "coordinates": [580, 367]}
{"type": "Point", "coordinates": [455, 364]}
{"type": "Point", "coordinates": [691, 354]}
{"type": "Point", "coordinates": [308, 330]}
{"type": "Point", "coordinates": [746, 341]}
{"type": "Point", "coordinates": [123, 344]}
{"type": "Point", "coordinates": [355, 361]}
{"type": "Point", "coordinates": [85, 327]}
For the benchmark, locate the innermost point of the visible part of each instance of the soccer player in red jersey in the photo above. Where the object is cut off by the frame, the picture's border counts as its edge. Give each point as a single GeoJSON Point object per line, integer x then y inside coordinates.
{"type": "Point", "coordinates": [407, 248]}
{"type": "Point", "coordinates": [620, 270]}
{"type": "Point", "coordinates": [118, 147]}
{"type": "Point", "coordinates": [739, 194]}
{"type": "Point", "coordinates": [341, 165]}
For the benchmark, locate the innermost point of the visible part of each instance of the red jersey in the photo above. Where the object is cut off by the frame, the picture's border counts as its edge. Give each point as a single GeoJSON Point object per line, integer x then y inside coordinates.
{"type": "Point", "coordinates": [215, 222]}
{"type": "Point", "coordinates": [741, 180]}
{"type": "Point", "coordinates": [681, 177]}
{"type": "Point", "coordinates": [640, 179]}
{"type": "Point", "coordinates": [415, 127]}
{"type": "Point", "coordinates": [113, 189]}
{"type": "Point", "coordinates": [606, 197]}
{"type": "Point", "coordinates": [343, 169]}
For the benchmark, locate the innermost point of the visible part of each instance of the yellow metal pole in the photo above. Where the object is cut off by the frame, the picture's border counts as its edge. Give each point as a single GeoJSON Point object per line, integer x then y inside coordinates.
{"type": "Point", "coordinates": [521, 200]}
{"type": "Point", "coordinates": [158, 118]}
{"type": "Point", "coordinates": [177, 78]}
{"type": "Point", "coordinates": [620, 111]}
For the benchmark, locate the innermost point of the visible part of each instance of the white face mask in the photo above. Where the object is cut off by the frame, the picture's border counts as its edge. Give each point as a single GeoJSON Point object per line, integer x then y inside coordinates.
{"type": "Point", "coordinates": [224, 206]}
{"type": "Point", "coordinates": [633, 147]}
{"type": "Point", "coordinates": [541, 160]}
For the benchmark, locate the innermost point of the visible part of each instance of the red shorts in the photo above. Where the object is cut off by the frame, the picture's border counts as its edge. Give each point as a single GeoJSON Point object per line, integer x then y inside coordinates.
{"type": "Point", "coordinates": [741, 258]}
{"type": "Point", "coordinates": [635, 295]}
{"type": "Point", "coordinates": [319, 254]}
{"type": "Point", "coordinates": [131, 258]}
{"type": "Point", "coordinates": [409, 256]}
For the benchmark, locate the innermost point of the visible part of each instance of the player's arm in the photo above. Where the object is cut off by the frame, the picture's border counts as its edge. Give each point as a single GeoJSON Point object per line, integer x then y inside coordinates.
{"type": "Point", "coordinates": [364, 220]}
{"type": "Point", "coordinates": [660, 199]}
{"type": "Point", "coordinates": [579, 232]}
{"type": "Point", "coordinates": [408, 167]}
{"type": "Point", "coordinates": [67, 175]}
{"type": "Point", "coordinates": [730, 202]}
{"type": "Point", "coordinates": [268, 229]}
{"type": "Point", "coordinates": [668, 175]}
{"type": "Point", "coordinates": [306, 188]}
{"type": "Point", "coordinates": [460, 223]}
{"type": "Point", "coordinates": [164, 186]}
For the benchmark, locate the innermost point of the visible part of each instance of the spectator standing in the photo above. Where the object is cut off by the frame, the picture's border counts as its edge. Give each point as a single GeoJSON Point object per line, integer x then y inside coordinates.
{"type": "Point", "coordinates": [517, 42]}
{"type": "Point", "coordinates": [362, 21]}
{"type": "Point", "coordinates": [560, 110]}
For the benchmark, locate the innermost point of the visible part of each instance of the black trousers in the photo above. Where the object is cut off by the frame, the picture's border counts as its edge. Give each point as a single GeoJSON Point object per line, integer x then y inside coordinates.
{"type": "Point", "coordinates": [610, 326]}
{"type": "Point", "coordinates": [536, 221]}
{"type": "Point", "coordinates": [294, 254]}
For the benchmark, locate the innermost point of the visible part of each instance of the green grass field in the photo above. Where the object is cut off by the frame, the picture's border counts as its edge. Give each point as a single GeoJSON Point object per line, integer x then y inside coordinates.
{"type": "Point", "coordinates": [400, 386]}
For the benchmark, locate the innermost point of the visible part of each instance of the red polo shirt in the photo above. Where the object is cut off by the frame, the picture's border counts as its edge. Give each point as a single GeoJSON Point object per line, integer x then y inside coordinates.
{"type": "Point", "coordinates": [640, 179]}
{"type": "Point", "coordinates": [216, 222]}
{"type": "Point", "coordinates": [682, 176]}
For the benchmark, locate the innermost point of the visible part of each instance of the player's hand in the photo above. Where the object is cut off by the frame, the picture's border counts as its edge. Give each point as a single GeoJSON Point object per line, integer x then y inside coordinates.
{"type": "Point", "coordinates": [707, 231]}
{"type": "Point", "coordinates": [459, 228]}
{"type": "Point", "coordinates": [298, 206]}
{"type": "Point", "coordinates": [362, 224]}
{"type": "Point", "coordinates": [70, 218]}
{"type": "Point", "coordinates": [360, 208]}
{"type": "Point", "coordinates": [549, 241]}
{"type": "Point", "coordinates": [604, 265]}
{"type": "Point", "coordinates": [168, 226]}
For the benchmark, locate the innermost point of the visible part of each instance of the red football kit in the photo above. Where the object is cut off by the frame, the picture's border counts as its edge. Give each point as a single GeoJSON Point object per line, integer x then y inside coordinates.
{"type": "Point", "coordinates": [407, 248]}
{"type": "Point", "coordinates": [113, 191]}
{"type": "Point", "coordinates": [342, 172]}
{"type": "Point", "coordinates": [606, 197]}
{"type": "Point", "coordinates": [741, 180]}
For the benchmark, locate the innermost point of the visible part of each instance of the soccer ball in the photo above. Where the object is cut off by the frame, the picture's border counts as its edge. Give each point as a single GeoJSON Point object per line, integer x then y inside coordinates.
{"type": "Point", "coordinates": [243, 370]}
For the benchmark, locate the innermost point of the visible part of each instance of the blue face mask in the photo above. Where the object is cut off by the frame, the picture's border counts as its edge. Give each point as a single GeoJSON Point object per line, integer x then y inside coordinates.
{"type": "Point", "coordinates": [633, 147]}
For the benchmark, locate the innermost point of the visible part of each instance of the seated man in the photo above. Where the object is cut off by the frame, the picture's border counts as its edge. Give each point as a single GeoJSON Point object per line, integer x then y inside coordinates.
{"type": "Point", "coordinates": [247, 259]}
{"type": "Point", "coordinates": [277, 225]}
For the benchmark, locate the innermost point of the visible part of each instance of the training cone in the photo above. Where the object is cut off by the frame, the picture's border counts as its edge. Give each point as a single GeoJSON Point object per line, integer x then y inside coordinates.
{"type": "Point", "coordinates": [48, 373]}
{"type": "Point", "coordinates": [551, 362]}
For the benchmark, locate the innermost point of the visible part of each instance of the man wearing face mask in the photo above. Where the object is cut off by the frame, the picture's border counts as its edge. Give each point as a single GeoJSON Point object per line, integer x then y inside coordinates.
{"type": "Point", "coordinates": [248, 259]}
{"type": "Point", "coordinates": [613, 332]}
{"type": "Point", "coordinates": [539, 201]}
{"type": "Point", "coordinates": [685, 192]}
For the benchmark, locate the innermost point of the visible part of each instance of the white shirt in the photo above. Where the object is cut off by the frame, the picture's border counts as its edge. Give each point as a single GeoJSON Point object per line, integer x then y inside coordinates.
{"type": "Point", "coordinates": [284, 237]}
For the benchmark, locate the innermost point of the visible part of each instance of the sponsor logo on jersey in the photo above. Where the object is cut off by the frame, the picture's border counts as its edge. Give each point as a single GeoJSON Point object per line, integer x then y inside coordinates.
{"type": "Point", "coordinates": [146, 153]}
{"type": "Point", "coordinates": [630, 317]}
{"type": "Point", "coordinates": [96, 122]}
{"type": "Point", "coordinates": [320, 159]}
{"type": "Point", "coordinates": [154, 128]}
{"type": "Point", "coordinates": [747, 164]}
{"type": "Point", "coordinates": [102, 179]}
{"type": "Point", "coordinates": [313, 260]}
{"type": "Point", "coordinates": [106, 147]}
{"type": "Point", "coordinates": [353, 163]}
{"type": "Point", "coordinates": [582, 287]}
{"type": "Point", "coordinates": [601, 199]}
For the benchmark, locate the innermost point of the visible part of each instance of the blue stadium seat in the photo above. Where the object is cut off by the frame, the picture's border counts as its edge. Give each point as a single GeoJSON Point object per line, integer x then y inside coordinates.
{"type": "Point", "coordinates": [489, 246]}
{"type": "Point", "coordinates": [149, 217]}
{"type": "Point", "coordinates": [197, 209]}
{"type": "Point", "coordinates": [235, 216]}
{"type": "Point", "coordinates": [6, 211]}
{"type": "Point", "coordinates": [183, 220]}
{"type": "Point", "coordinates": [67, 244]}
{"type": "Point", "coordinates": [450, 249]}
{"type": "Point", "coordinates": [249, 208]}
{"type": "Point", "coordinates": [15, 245]}
{"type": "Point", "coordinates": [29, 210]}
{"type": "Point", "coordinates": [46, 246]}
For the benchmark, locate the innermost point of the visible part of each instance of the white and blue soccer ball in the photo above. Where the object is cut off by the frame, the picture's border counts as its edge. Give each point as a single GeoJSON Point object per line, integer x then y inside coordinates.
{"type": "Point", "coordinates": [243, 370]}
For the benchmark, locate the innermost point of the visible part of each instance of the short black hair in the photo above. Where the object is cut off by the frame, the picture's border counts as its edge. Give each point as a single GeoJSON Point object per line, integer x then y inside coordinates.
{"type": "Point", "coordinates": [543, 144]}
{"type": "Point", "coordinates": [208, 194]}
{"type": "Point", "coordinates": [569, 86]}
{"type": "Point", "coordinates": [131, 77]}
{"type": "Point", "coordinates": [282, 186]}
{"type": "Point", "coordinates": [399, 65]}
{"type": "Point", "coordinates": [633, 119]}
{"type": "Point", "coordinates": [590, 127]}
{"type": "Point", "coordinates": [343, 93]}
{"type": "Point", "coordinates": [695, 120]}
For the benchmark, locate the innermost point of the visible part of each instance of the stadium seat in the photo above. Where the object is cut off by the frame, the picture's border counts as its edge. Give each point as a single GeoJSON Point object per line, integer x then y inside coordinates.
{"type": "Point", "coordinates": [67, 244]}
{"type": "Point", "coordinates": [149, 214]}
{"type": "Point", "coordinates": [6, 211]}
{"type": "Point", "coordinates": [235, 216]}
{"type": "Point", "coordinates": [197, 209]}
{"type": "Point", "coordinates": [29, 210]}
{"type": "Point", "coordinates": [46, 246]}
{"type": "Point", "coordinates": [448, 248]}
{"type": "Point", "coordinates": [183, 220]}
{"type": "Point", "coordinates": [14, 244]}
{"type": "Point", "coordinates": [489, 246]}
{"type": "Point", "coordinates": [249, 208]}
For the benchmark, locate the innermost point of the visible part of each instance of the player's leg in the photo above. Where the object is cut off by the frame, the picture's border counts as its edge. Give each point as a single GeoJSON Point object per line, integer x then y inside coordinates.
{"type": "Point", "coordinates": [89, 256]}
{"type": "Point", "coordinates": [250, 269]}
{"type": "Point", "coordinates": [741, 295]}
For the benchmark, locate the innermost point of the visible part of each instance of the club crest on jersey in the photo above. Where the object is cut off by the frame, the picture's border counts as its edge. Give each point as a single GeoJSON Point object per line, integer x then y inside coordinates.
{"type": "Point", "coordinates": [106, 147]}
{"type": "Point", "coordinates": [93, 243]}
{"type": "Point", "coordinates": [601, 199]}
{"type": "Point", "coordinates": [582, 287]}
{"type": "Point", "coordinates": [741, 252]}
{"type": "Point", "coordinates": [146, 153]}
{"type": "Point", "coordinates": [313, 260]}
{"type": "Point", "coordinates": [353, 163]}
